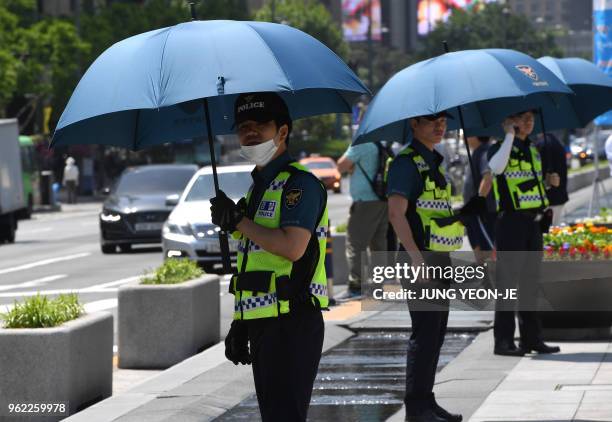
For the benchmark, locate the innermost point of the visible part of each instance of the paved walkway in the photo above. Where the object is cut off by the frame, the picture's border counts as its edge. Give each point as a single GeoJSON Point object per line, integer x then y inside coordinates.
{"type": "Point", "coordinates": [575, 385]}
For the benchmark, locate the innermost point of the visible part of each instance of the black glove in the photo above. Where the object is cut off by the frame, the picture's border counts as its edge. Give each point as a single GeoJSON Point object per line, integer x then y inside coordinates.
{"type": "Point", "coordinates": [237, 344]}
{"type": "Point", "coordinates": [477, 205]}
{"type": "Point", "coordinates": [225, 213]}
{"type": "Point", "coordinates": [546, 220]}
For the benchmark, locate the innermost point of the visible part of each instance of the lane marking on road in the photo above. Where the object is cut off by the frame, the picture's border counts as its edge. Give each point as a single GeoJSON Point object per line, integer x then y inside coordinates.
{"type": "Point", "coordinates": [98, 288]}
{"type": "Point", "coordinates": [44, 262]}
{"type": "Point", "coordinates": [33, 283]}
{"type": "Point", "coordinates": [108, 285]}
{"type": "Point", "coordinates": [42, 230]}
{"type": "Point", "coordinates": [100, 305]}
{"type": "Point", "coordinates": [54, 292]}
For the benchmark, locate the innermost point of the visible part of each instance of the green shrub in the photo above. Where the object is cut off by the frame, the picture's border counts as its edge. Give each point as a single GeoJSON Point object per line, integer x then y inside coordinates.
{"type": "Point", "coordinates": [341, 228]}
{"type": "Point", "coordinates": [40, 312]}
{"type": "Point", "coordinates": [173, 271]}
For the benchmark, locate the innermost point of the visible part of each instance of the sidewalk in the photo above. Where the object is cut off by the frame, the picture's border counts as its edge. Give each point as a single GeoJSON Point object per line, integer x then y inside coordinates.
{"type": "Point", "coordinates": [575, 385]}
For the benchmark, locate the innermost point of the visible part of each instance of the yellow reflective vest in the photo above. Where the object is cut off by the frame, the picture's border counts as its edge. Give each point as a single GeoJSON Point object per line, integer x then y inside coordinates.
{"type": "Point", "coordinates": [432, 205]}
{"type": "Point", "coordinates": [267, 283]}
{"type": "Point", "coordinates": [520, 186]}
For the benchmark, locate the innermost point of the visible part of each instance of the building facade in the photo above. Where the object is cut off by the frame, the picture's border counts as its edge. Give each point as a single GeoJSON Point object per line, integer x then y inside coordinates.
{"type": "Point", "coordinates": [572, 18]}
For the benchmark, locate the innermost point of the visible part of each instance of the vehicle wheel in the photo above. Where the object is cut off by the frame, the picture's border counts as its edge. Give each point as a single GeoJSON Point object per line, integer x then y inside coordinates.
{"type": "Point", "coordinates": [208, 268]}
{"type": "Point", "coordinates": [28, 212]}
{"type": "Point", "coordinates": [125, 248]}
{"type": "Point", "coordinates": [107, 249]}
{"type": "Point", "coordinates": [8, 226]}
{"type": "Point", "coordinates": [11, 229]}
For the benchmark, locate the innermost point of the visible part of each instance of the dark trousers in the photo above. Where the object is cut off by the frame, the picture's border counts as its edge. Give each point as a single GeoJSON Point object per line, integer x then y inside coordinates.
{"type": "Point", "coordinates": [286, 352]}
{"type": "Point", "coordinates": [428, 331]}
{"type": "Point", "coordinates": [71, 187]}
{"type": "Point", "coordinates": [519, 257]}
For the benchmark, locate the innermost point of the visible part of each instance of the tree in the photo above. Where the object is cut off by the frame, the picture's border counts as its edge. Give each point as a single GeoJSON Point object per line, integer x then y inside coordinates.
{"type": "Point", "coordinates": [38, 60]}
{"type": "Point", "coordinates": [122, 20]}
{"type": "Point", "coordinates": [492, 26]}
{"type": "Point", "coordinates": [314, 19]}
{"type": "Point", "coordinates": [387, 62]}
{"type": "Point", "coordinates": [309, 16]}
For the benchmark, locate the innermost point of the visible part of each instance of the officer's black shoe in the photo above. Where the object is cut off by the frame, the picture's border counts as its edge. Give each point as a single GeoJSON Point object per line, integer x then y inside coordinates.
{"type": "Point", "coordinates": [443, 413]}
{"type": "Point", "coordinates": [541, 347]}
{"type": "Point", "coordinates": [425, 415]}
{"type": "Point", "coordinates": [508, 349]}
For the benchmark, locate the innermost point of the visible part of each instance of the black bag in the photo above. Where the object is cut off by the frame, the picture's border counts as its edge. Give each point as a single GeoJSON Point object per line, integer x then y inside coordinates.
{"type": "Point", "coordinates": [379, 182]}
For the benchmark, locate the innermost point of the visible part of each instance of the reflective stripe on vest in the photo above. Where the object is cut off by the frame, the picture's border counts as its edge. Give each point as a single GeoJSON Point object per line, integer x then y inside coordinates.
{"type": "Point", "coordinates": [248, 305]}
{"type": "Point", "coordinates": [434, 203]}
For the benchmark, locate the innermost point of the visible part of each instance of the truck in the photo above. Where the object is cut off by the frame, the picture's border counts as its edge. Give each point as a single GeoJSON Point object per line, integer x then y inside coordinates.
{"type": "Point", "coordinates": [12, 199]}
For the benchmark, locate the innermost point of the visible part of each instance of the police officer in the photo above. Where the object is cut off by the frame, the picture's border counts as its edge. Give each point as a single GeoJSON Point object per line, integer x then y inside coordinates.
{"type": "Point", "coordinates": [519, 190]}
{"type": "Point", "coordinates": [280, 287]}
{"type": "Point", "coordinates": [419, 197]}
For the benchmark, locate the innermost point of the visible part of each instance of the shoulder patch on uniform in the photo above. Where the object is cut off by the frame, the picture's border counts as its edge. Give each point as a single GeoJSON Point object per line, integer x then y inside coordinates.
{"type": "Point", "coordinates": [293, 197]}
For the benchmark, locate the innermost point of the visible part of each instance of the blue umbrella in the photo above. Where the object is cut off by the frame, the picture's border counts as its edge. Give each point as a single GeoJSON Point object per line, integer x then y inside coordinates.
{"type": "Point", "coordinates": [488, 84]}
{"type": "Point", "coordinates": [592, 87]}
{"type": "Point", "coordinates": [181, 82]}
{"type": "Point", "coordinates": [148, 89]}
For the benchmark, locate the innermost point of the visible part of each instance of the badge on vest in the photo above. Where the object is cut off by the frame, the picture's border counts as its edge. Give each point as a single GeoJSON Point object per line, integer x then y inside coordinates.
{"type": "Point", "coordinates": [266, 209]}
{"type": "Point", "coordinates": [293, 197]}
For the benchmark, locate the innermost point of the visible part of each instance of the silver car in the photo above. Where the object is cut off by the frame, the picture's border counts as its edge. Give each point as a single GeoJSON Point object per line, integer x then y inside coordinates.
{"type": "Point", "coordinates": [189, 231]}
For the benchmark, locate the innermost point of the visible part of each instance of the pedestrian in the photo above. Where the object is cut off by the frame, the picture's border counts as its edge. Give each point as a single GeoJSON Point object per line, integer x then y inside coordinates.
{"type": "Point", "coordinates": [519, 193]}
{"type": "Point", "coordinates": [70, 179]}
{"type": "Point", "coordinates": [419, 195]}
{"type": "Point", "coordinates": [367, 221]}
{"type": "Point", "coordinates": [608, 149]}
{"type": "Point", "coordinates": [480, 229]}
{"type": "Point", "coordinates": [554, 160]}
{"type": "Point", "coordinates": [281, 286]}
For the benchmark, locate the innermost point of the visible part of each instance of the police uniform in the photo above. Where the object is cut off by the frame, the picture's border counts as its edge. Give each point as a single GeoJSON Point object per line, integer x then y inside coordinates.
{"type": "Point", "coordinates": [416, 174]}
{"type": "Point", "coordinates": [280, 301]}
{"type": "Point", "coordinates": [520, 198]}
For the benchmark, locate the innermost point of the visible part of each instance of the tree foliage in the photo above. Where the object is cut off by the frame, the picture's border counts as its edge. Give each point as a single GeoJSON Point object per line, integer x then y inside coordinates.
{"type": "Point", "coordinates": [493, 26]}
{"type": "Point", "coordinates": [314, 19]}
{"type": "Point", "coordinates": [38, 59]}
{"type": "Point", "coordinates": [309, 16]}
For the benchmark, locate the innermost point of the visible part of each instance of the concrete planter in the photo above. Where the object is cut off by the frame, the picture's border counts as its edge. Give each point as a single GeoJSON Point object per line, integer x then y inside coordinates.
{"type": "Point", "coordinates": [583, 290]}
{"type": "Point", "coordinates": [161, 325]}
{"type": "Point", "coordinates": [72, 363]}
{"type": "Point", "coordinates": [583, 179]}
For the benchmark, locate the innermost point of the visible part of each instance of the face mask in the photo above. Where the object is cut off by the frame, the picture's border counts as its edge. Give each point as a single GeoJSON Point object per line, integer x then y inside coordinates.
{"type": "Point", "coordinates": [260, 154]}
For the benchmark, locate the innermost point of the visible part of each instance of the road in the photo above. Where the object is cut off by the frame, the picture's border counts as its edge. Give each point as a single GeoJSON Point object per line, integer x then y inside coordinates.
{"type": "Point", "coordinates": [60, 253]}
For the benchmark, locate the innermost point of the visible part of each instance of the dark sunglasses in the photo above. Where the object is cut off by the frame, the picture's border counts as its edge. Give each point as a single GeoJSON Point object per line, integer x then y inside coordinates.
{"type": "Point", "coordinates": [433, 117]}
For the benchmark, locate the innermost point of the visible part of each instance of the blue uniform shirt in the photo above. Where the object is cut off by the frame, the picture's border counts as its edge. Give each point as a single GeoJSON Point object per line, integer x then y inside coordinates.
{"type": "Point", "coordinates": [404, 178]}
{"type": "Point", "coordinates": [311, 198]}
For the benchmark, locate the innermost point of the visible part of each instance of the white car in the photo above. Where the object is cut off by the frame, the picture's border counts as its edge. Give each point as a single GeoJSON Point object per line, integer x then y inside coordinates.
{"type": "Point", "coordinates": [189, 232]}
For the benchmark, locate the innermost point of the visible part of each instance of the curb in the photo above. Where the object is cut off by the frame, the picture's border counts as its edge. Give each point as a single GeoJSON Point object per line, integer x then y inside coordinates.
{"type": "Point", "coordinates": [206, 384]}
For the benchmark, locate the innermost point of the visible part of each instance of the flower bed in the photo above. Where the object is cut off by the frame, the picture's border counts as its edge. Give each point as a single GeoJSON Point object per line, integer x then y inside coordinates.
{"type": "Point", "coordinates": [584, 240]}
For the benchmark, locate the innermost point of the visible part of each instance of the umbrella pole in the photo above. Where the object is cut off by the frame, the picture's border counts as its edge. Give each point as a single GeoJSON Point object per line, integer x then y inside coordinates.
{"type": "Point", "coordinates": [546, 145]}
{"type": "Point", "coordinates": [223, 243]}
{"type": "Point", "coordinates": [471, 164]}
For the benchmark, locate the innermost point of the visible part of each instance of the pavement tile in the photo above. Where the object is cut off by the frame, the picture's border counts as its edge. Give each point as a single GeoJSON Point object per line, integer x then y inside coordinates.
{"type": "Point", "coordinates": [595, 412]}
{"type": "Point", "coordinates": [530, 405]}
{"type": "Point", "coordinates": [175, 409]}
{"type": "Point", "coordinates": [465, 388]}
{"type": "Point", "coordinates": [528, 385]}
{"type": "Point", "coordinates": [562, 377]}
{"type": "Point", "coordinates": [591, 397]}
